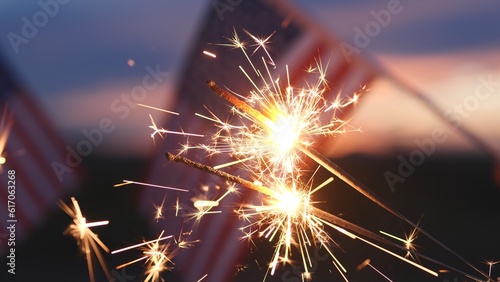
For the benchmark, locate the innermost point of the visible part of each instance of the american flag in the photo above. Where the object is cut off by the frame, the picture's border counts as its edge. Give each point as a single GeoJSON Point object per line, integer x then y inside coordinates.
{"type": "Point", "coordinates": [297, 42]}
{"type": "Point", "coordinates": [31, 151]}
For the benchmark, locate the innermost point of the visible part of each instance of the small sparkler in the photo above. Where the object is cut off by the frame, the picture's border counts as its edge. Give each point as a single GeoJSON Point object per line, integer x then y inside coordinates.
{"type": "Point", "coordinates": [87, 240]}
{"type": "Point", "coordinates": [157, 257]}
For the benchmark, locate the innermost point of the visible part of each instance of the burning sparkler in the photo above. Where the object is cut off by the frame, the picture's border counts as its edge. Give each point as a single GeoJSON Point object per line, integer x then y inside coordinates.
{"type": "Point", "coordinates": [276, 116]}
{"type": "Point", "coordinates": [87, 240]}
{"type": "Point", "coordinates": [287, 216]}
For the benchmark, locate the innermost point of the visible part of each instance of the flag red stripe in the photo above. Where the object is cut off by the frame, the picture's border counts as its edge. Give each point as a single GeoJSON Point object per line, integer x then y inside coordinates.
{"type": "Point", "coordinates": [34, 142]}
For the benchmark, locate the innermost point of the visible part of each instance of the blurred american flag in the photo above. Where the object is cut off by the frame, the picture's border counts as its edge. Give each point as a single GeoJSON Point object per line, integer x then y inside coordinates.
{"type": "Point", "coordinates": [32, 147]}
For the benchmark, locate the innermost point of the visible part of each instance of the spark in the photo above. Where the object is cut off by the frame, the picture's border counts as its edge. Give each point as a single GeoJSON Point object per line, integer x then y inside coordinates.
{"type": "Point", "coordinates": [203, 277]}
{"type": "Point", "coordinates": [204, 207]}
{"type": "Point", "coordinates": [159, 210]}
{"type": "Point", "coordinates": [158, 109]}
{"type": "Point", "coordinates": [157, 257]}
{"type": "Point", "coordinates": [210, 54]}
{"type": "Point", "coordinates": [200, 204]}
{"type": "Point", "coordinates": [240, 268]}
{"type": "Point", "coordinates": [161, 131]}
{"type": "Point", "coordinates": [408, 241]}
{"type": "Point", "coordinates": [233, 163]}
{"type": "Point", "coordinates": [352, 236]}
{"type": "Point", "coordinates": [262, 43]}
{"type": "Point", "coordinates": [490, 264]}
{"type": "Point", "coordinates": [127, 182]}
{"type": "Point", "coordinates": [368, 262]}
{"type": "Point", "coordinates": [177, 206]}
{"type": "Point", "coordinates": [140, 244]}
{"type": "Point", "coordinates": [88, 241]}
{"type": "Point", "coordinates": [184, 244]}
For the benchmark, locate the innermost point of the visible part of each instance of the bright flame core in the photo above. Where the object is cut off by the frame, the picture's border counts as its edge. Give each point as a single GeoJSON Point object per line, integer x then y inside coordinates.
{"type": "Point", "coordinates": [284, 133]}
{"type": "Point", "coordinates": [289, 202]}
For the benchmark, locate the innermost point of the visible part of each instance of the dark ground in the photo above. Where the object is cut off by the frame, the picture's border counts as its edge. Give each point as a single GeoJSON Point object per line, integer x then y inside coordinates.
{"type": "Point", "coordinates": [454, 197]}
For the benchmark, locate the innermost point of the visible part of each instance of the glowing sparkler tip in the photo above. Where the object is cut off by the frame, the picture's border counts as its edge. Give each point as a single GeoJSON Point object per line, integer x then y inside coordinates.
{"type": "Point", "coordinates": [2, 160]}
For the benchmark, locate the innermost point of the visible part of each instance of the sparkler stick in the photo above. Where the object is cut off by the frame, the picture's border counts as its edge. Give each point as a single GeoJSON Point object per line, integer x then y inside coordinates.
{"type": "Point", "coordinates": [222, 174]}
{"type": "Point", "coordinates": [348, 225]}
{"type": "Point", "coordinates": [265, 122]}
{"type": "Point", "coordinates": [240, 104]}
